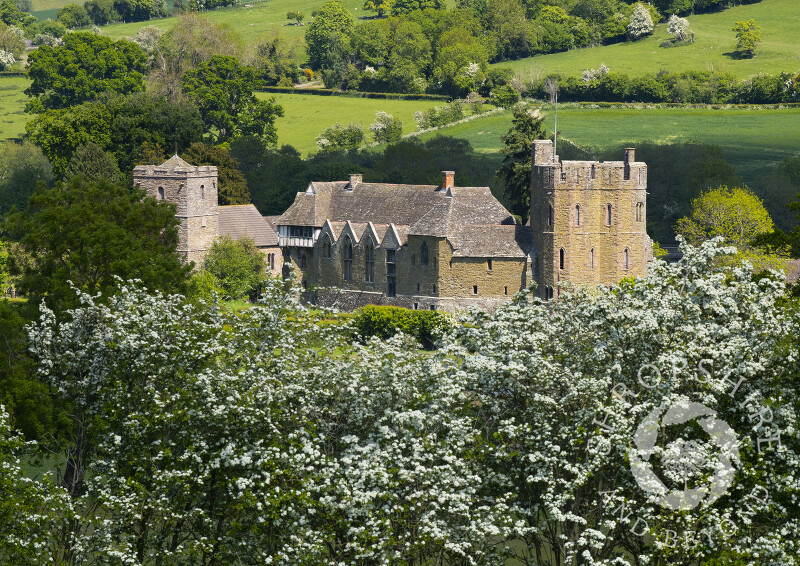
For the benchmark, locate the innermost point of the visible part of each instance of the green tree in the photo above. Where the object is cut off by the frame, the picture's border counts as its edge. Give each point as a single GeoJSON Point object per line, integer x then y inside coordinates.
{"type": "Point", "coordinates": [278, 58]}
{"type": "Point", "coordinates": [295, 15]}
{"type": "Point", "coordinates": [102, 12]}
{"type": "Point", "coordinates": [192, 41]}
{"type": "Point", "coordinates": [119, 125]}
{"type": "Point", "coordinates": [737, 215]}
{"type": "Point", "coordinates": [94, 164]}
{"type": "Point", "coordinates": [11, 15]}
{"type": "Point", "coordinates": [379, 6]}
{"type": "Point", "coordinates": [73, 16]}
{"type": "Point", "coordinates": [223, 88]}
{"type": "Point", "coordinates": [82, 69]}
{"type": "Point", "coordinates": [87, 234]}
{"type": "Point", "coordinates": [22, 167]}
{"type": "Point", "coordinates": [238, 266]}
{"type": "Point", "coordinates": [232, 187]}
{"type": "Point", "coordinates": [400, 7]}
{"type": "Point", "coordinates": [527, 125]}
{"type": "Point", "coordinates": [12, 40]}
{"type": "Point", "coordinates": [748, 36]}
{"type": "Point", "coordinates": [340, 137]}
{"type": "Point", "coordinates": [461, 61]}
{"type": "Point", "coordinates": [332, 18]}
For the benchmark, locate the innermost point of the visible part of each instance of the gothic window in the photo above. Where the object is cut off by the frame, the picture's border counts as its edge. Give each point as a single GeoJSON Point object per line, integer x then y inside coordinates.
{"type": "Point", "coordinates": [369, 262]}
{"type": "Point", "coordinates": [160, 193]}
{"type": "Point", "coordinates": [577, 215]}
{"type": "Point", "coordinates": [561, 258]}
{"type": "Point", "coordinates": [326, 246]}
{"type": "Point", "coordinates": [608, 214]}
{"type": "Point", "coordinates": [347, 259]}
{"type": "Point", "coordinates": [591, 259]}
{"type": "Point", "coordinates": [625, 259]}
{"type": "Point", "coordinates": [423, 254]}
{"type": "Point", "coordinates": [391, 274]}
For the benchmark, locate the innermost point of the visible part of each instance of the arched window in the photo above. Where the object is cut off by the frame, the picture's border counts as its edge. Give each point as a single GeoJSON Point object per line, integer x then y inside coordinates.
{"type": "Point", "coordinates": [202, 191]}
{"type": "Point", "coordinates": [577, 215]}
{"type": "Point", "coordinates": [347, 259]}
{"type": "Point", "coordinates": [639, 211]}
{"type": "Point", "coordinates": [550, 216]}
{"type": "Point", "coordinates": [369, 262]}
{"type": "Point", "coordinates": [591, 259]}
{"type": "Point", "coordinates": [423, 254]}
{"type": "Point", "coordinates": [608, 214]}
{"type": "Point", "coordinates": [160, 193]}
{"type": "Point", "coordinates": [561, 262]}
{"type": "Point", "coordinates": [326, 246]}
{"type": "Point", "coordinates": [625, 259]}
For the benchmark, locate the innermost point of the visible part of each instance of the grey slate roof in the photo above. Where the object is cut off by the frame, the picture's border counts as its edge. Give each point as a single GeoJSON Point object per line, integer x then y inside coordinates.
{"type": "Point", "coordinates": [470, 217]}
{"type": "Point", "coordinates": [492, 241]}
{"type": "Point", "coordinates": [174, 162]}
{"type": "Point", "coordinates": [244, 221]}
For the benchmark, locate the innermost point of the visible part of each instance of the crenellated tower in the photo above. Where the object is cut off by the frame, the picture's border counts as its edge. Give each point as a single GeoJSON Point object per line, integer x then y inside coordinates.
{"type": "Point", "coordinates": [588, 220]}
{"type": "Point", "coordinates": [194, 191]}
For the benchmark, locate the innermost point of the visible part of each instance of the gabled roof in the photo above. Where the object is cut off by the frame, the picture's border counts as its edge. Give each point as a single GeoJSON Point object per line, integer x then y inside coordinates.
{"type": "Point", "coordinates": [244, 221]}
{"type": "Point", "coordinates": [385, 203]}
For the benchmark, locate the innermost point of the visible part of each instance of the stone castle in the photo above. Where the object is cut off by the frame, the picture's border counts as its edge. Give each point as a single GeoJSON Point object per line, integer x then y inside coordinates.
{"type": "Point", "coordinates": [435, 247]}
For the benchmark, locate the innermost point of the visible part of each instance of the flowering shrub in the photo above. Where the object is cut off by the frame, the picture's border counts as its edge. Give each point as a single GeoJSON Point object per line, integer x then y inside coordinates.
{"type": "Point", "coordinates": [678, 28]}
{"type": "Point", "coordinates": [340, 137]}
{"type": "Point", "coordinates": [439, 116]}
{"type": "Point", "coordinates": [386, 128]}
{"type": "Point", "coordinates": [641, 23]}
{"type": "Point", "coordinates": [6, 60]}
{"type": "Point", "coordinates": [264, 438]}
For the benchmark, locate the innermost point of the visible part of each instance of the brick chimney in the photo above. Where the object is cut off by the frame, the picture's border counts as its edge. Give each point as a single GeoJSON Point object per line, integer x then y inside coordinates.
{"type": "Point", "coordinates": [355, 178]}
{"type": "Point", "coordinates": [448, 178]}
{"type": "Point", "coordinates": [630, 157]}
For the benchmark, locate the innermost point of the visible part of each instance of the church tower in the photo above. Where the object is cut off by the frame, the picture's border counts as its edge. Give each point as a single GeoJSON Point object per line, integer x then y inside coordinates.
{"type": "Point", "coordinates": [194, 192]}
{"type": "Point", "coordinates": [588, 220]}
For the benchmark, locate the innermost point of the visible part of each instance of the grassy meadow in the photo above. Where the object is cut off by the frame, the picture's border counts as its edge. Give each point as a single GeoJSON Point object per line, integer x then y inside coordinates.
{"type": "Point", "coordinates": [305, 116]}
{"type": "Point", "coordinates": [753, 139]}
{"type": "Point", "coordinates": [714, 40]}
{"type": "Point", "coordinates": [12, 104]}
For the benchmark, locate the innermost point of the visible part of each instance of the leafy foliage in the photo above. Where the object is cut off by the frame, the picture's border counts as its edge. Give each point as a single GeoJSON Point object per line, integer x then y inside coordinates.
{"type": "Point", "coordinates": [84, 67]}
{"type": "Point", "coordinates": [223, 88]}
{"type": "Point", "coordinates": [332, 18]}
{"type": "Point", "coordinates": [748, 36]}
{"type": "Point", "coordinates": [232, 187]}
{"type": "Point", "coordinates": [386, 128]}
{"type": "Point", "coordinates": [88, 234]}
{"type": "Point", "coordinates": [526, 126]}
{"type": "Point", "coordinates": [22, 168]}
{"type": "Point", "coordinates": [238, 267]}
{"type": "Point", "coordinates": [384, 322]}
{"type": "Point", "coordinates": [94, 164]}
{"type": "Point", "coordinates": [340, 137]}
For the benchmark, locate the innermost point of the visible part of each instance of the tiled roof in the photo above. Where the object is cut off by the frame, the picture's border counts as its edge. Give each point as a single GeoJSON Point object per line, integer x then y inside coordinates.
{"type": "Point", "coordinates": [470, 217]}
{"type": "Point", "coordinates": [244, 221]}
{"type": "Point", "coordinates": [492, 241]}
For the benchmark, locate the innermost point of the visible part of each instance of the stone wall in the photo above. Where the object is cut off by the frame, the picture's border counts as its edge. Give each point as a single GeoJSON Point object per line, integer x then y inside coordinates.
{"type": "Point", "coordinates": [445, 283]}
{"type": "Point", "coordinates": [194, 192]}
{"type": "Point", "coordinates": [579, 193]}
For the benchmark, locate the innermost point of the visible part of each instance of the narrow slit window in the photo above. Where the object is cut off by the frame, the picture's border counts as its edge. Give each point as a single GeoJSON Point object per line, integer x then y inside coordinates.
{"type": "Point", "coordinates": [608, 214]}
{"type": "Point", "coordinates": [577, 215]}
{"type": "Point", "coordinates": [561, 261]}
{"type": "Point", "coordinates": [626, 259]}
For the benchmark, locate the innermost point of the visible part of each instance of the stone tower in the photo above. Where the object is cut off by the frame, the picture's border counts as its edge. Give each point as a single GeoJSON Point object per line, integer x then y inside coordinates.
{"type": "Point", "coordinates": [588, 220]}
{"type": "Point", "coordinates": [194, 191]}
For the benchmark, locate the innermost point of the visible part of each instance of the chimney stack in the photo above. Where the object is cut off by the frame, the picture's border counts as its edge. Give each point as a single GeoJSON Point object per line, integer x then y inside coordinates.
{"type": "Point", "coordinates": [630, 157]}
{"type": "Point", "coordinates": [448, 179]}
{"type": "Point", "coordinates": [355, 178]}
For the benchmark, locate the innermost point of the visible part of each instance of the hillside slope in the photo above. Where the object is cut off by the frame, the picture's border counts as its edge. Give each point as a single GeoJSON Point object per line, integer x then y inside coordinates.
{"type": "Point", "coordinates": [714, 40]}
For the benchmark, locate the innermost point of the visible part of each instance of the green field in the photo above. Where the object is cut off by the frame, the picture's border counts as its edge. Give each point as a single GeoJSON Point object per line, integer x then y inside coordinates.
{"type": "Point", "coordinates": [12, 104]}
{"type": "Point", "coordinates": [753, 139]}
{"type": "Point", "coordinates": [306, 115]}
{"type": "Point", "coordinates": [249, 23]}
{"type": "Point", "coordinates": [779, 49]}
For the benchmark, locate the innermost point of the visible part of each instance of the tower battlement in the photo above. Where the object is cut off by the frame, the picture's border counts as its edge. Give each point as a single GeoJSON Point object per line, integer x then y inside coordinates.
{"type": "Point", "coordinates": [588, 219]}
{"type": "Point", "coordinates": [193, 190]}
